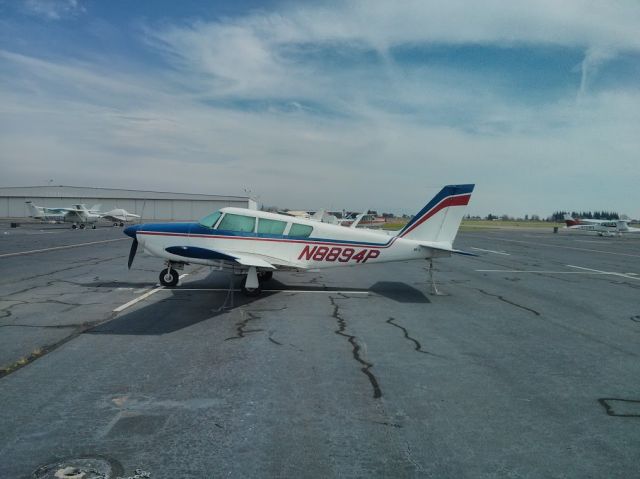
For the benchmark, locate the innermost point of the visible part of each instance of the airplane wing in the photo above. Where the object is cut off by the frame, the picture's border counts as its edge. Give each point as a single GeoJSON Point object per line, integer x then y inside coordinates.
{"type": "Point", "coordinates": [245, 259]}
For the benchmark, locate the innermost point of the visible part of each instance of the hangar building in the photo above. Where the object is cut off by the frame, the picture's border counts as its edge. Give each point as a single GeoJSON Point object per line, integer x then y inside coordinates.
{"type": "Point", "coordinates": [150, 205]}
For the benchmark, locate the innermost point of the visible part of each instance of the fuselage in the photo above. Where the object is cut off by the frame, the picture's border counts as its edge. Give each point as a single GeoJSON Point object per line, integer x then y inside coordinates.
{"type": "Point", "coordinates": [290, 243]}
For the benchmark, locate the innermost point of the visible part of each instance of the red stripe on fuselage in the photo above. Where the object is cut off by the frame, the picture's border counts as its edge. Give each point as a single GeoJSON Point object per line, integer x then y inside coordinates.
{"type": "Point", "coordinates": [460, 200]}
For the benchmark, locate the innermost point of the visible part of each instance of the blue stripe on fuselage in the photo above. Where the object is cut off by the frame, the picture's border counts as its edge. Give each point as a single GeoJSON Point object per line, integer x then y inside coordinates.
{"type": "Point", "coordinates": [200, 230]}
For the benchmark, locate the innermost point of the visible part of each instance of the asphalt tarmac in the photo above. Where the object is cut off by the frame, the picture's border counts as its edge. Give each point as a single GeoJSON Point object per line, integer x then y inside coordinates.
{"type": "Point", "coordinates": [527, 365]}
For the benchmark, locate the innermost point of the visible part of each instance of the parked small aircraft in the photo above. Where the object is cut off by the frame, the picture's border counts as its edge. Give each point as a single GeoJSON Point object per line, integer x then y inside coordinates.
{"type": "Point", "coordinates": [79, 215]}
{"type": "Point", "coordinates": [602, 227]}
{"type": "Point", "coordinates": [256, 242]}
{"type": "Point", "coordinates": [119, 216]}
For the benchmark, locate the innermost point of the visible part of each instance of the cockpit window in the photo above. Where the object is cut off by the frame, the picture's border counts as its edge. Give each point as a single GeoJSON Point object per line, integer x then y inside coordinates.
{"type": "Point", "coordinates": [210, 220]}
{"type": "Point", "coordinates": [241, 223]}
{"type": "Point", "coordinates": [301, 231]}
{"type": "Point", "coordinates": [273, 227]}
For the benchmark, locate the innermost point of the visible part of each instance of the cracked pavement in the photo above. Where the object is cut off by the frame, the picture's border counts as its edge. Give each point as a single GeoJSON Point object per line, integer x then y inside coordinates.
{"type": "Point", "coordinates": [511, 374]}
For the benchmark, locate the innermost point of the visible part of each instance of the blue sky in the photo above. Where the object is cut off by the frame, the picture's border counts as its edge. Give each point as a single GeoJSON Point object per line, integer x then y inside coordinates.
{"type": "Point", "coordinates": [354, 105]}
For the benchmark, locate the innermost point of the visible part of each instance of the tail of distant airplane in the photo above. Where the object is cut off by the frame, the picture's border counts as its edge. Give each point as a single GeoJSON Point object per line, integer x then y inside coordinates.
{"type": "Point", "coordinates": [570, 221]}
{"type": "Point", "coordinates": [440, 219]}
{"type": "Point", "coordinates": [35, 211]}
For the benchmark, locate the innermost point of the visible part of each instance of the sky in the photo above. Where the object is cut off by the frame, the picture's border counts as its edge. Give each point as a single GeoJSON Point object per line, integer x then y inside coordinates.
{"type": "Point", "coordinates": [336, 105]}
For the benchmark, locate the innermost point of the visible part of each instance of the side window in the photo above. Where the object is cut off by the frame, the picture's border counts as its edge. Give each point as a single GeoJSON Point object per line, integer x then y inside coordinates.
{"type": "Point", "coordinates": [302, 231]}
{"type": "Point", "coordinates": [272, 227]}
{"type": "Point", "coordinates": [210, 220]}
{"type": "Point", "coordinates": [241, 223]}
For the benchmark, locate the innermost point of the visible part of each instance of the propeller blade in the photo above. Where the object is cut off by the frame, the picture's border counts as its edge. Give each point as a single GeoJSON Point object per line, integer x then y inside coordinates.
{"type": "Point", "coordinates": [132, 252]}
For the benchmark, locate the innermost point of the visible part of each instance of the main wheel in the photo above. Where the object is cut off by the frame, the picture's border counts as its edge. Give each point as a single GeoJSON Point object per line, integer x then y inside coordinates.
{"type": "Point", "coordinates": [93, 227]}
{"type": "Point", "coordinates": [251, 292]}
{"type": "Point", "coordinates": [264, 276]}
{"type": "Point", "coordinates": [169, 277]}
{"type": "Point", "coordinates": [74, 226]}
{"type": "Point", "coordinates": [82, 225]}
{"type": "Point", "coordinates": [121, 224]}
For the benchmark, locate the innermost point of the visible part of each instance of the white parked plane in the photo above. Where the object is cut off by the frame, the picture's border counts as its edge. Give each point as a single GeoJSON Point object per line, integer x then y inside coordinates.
{"type": "Point", "coordinates": [258, 242]}
{"type": "Point", "coordinates": [602, 227]}
{"type": "Point", "coordinates": [119, 216]}
{"type": "Point", "coordinates": [79, 215]}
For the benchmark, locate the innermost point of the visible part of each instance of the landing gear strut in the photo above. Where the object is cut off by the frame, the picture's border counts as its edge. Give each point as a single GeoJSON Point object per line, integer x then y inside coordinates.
{"type": "Point", "coordinates": [251, 285]}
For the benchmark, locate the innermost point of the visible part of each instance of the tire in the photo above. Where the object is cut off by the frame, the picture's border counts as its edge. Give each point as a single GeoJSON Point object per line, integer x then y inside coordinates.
{"type": "Point", "coordinates": [82, 226]}
{"type": "Point", "coordinates": [74, 226]}
{"type": "Point", "coordinates": [265, 276]}
{"type": "Point", "coordinates": [251, 292]}
{"type": "Point", "coordinates": [169, 277]}
{"type": "Point", "coordinates": [121, 224]}
{"type": "Point", "coordinates": [93, 227]}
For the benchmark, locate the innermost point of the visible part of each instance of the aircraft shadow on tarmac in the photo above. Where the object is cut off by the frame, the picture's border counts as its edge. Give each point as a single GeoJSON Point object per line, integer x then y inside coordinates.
{"type": "Point", "coordinates": [399, 292]}
{"type": "Point", "coordinates": [209, 297]}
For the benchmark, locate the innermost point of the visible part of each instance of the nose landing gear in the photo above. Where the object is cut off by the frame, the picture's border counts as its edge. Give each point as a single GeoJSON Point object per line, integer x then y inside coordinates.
{"type": "Point", "coordinates": [169, 277]}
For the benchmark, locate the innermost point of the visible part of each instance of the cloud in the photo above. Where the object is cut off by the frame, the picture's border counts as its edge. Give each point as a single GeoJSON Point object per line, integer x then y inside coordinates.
{"type": "Point", "coordinates": [363, 104]}
{"type": "Point", "coordinates": [54, 9]}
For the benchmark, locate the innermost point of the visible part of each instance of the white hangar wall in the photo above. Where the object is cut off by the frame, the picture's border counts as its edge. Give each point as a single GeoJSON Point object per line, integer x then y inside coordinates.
{"type": "Point", "coordinates": [151, 205]}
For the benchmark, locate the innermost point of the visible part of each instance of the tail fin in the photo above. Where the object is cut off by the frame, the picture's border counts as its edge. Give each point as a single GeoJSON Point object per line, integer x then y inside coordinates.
{"type": "Point", "coordinates": [440, 219]}
{"type": "Point", "coordinates": [570, 221]}
{"type": "Point", "coordinates": [35, 211]}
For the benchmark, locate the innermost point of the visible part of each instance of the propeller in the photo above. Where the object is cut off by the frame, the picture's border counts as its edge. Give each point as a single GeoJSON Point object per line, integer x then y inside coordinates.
{"type": "Point", "coordinates": [132, 252]}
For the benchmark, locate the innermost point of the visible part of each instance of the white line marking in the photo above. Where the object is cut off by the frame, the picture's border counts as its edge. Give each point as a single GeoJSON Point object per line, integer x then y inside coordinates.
{"type": "Point", "coordinates": [604, 272]}
{"type": "Point", "coordinates": [224, 290]}
{"type": "Point", "coordinates": [33, 251]}
{"type": "Point", "coordinates": [143, 296]}
{"type": "Point", "coordinates": [138, 299]}
{"type": "Point", "coordinates": [535, 271]}
{"type": "Point", "coordinates": [491, 251]}
{"type": "Point", "coordinates": [563, 247]}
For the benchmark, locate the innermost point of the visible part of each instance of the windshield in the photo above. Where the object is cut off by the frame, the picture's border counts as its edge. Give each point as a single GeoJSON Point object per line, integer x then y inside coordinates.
{"type": "Point", "coordinates": [210, 220]}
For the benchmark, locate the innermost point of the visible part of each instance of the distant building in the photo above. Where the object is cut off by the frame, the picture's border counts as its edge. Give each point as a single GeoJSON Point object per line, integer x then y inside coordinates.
{"type": "Point", "coordinates": [150, 205]}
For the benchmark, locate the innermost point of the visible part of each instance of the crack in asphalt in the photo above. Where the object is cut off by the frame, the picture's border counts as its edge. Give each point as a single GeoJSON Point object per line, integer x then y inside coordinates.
{"type": "Point", "coordinates": [249, 316]}
{"type": "Point", "coordinates": [61, 270]}
{"type": "Point", "coordinates": [502, 298]}
{"type": "Point", "coordinates": [342, 325]}
{"type": "Point", "coordinates": [417, 345]}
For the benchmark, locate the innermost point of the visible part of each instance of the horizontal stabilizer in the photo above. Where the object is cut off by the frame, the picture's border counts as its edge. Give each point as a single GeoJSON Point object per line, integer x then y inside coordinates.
{"type": "Point", "coordinates": [446, 249]}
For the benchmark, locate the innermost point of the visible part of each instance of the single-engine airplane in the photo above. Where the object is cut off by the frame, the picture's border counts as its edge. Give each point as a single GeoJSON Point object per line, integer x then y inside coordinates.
{"type": "Point", "coordinates": [256, 243]}
{"type": "Point", "coordinates": [79, 215]}
{"type": "Point", "coordinates": [602, 227]}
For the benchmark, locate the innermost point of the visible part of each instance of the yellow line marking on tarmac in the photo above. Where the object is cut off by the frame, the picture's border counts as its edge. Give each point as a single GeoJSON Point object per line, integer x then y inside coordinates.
{"type": "Point", "coordinates": [33, 251]}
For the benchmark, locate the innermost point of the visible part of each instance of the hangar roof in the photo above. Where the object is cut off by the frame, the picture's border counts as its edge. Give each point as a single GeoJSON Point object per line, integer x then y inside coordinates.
{"type": "Point", "coordinates": [90, 192]}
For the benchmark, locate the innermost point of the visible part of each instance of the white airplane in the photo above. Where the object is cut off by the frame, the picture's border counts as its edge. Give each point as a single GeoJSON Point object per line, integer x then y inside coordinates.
{"type": "Point", "coordinates": [257, 243]}
{"type": "Point", "coordinates": [602, 227]}
{"type": "Point", "coordinates": [79, 215]}
{"type": "Point", "coordinates": [119, 216]}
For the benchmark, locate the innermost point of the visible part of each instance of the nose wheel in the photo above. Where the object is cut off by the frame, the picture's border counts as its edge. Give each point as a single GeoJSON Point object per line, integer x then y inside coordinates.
{"type": "Point", "coordinates": [169, 277]}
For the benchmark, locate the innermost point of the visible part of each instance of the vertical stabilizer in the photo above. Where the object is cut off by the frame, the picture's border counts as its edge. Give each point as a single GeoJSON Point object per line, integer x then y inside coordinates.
{"type": "Point", "coordinates": [440, 219]}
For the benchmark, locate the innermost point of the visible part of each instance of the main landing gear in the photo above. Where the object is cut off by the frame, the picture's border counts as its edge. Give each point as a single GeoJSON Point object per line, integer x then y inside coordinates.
{"type": "Point", "coordinates": [252, 285]}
